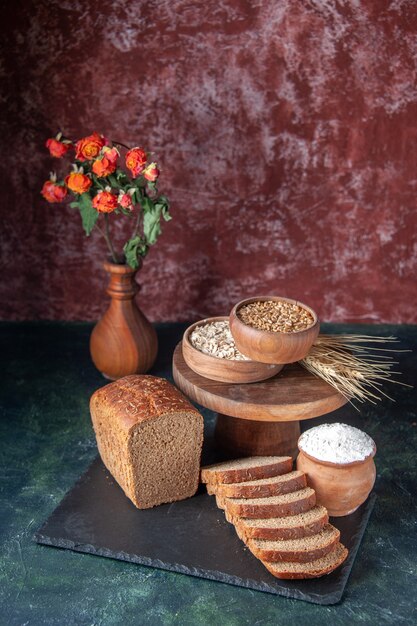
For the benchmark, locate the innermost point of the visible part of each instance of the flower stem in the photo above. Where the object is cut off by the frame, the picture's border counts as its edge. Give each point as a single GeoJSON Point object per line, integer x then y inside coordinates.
{"type": "Point", "coordinates": [106, 234]}
{"type": "Point", "coordinates": [119, 143]}
{"type": "Point", "coordinates": [137, 224]}
{"type": "Point", "coordinates": [139, 193]}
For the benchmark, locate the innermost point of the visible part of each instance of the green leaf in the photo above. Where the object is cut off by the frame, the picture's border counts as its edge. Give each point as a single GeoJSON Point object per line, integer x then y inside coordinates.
{"type": "Point", "coordinates": [126, 212]}
{"type": "Point", "coordinates": [166, 214]}
{"type": "Point", "coordinates": [133, 249]}
{"type": "Point", "coordinates": [146, 203]}
{"type": "Point", "coordinates": [135, 196]}
{"type": "Point", "coordinates": [98, 182]}
{"type": "Point", "coordinates": [89, 215]}
{"type": "Point", "coordinates": [152, 224]}
{"type": "Point", "coordinates": [74, 205]}
{"type": "Point", "coordinates": [163, 204]}
{"type": "Point", "coordinates": [113, 181]}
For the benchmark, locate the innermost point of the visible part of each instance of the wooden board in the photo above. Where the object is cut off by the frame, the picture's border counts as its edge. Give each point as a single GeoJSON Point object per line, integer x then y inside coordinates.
{"type": "Point", "coordinates": [190, 537]}
{"type": "Point", "coordinates": [293, 394]}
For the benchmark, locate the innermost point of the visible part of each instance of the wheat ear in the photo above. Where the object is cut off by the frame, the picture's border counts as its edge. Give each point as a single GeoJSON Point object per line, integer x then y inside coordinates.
{"type": "Point", "coordinates": [353, 365]}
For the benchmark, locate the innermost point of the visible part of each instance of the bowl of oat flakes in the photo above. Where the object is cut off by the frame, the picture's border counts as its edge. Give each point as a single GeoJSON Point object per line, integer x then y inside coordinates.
{"type": "Point", "coordinates": [209, 349]}
{"type": "Point", "coordinates": [273, 329]}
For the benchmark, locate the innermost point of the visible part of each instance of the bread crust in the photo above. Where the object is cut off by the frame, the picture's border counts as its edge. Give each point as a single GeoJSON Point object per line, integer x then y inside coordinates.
{"type": "Point", "coordinates": [214, 474]}
{"type": "Point", "coordinates": [134, 399]}
{"type": "Point", "coordinates": [265, 510]}
{"type": "Point", "coordinates": [260, 490]}
{"type": "Point", "coordinates": [330, 539]}
{"type": "Point", "coordinates": [278, 569]}
{"type": "Point", "coordinates": [246, 532]}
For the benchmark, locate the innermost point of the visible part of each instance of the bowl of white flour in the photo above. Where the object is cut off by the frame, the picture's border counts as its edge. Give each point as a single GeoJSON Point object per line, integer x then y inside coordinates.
{"type": "Point", "coordinates": [337, 443]}
{"type": "Point", "coordinates": [338, 461]}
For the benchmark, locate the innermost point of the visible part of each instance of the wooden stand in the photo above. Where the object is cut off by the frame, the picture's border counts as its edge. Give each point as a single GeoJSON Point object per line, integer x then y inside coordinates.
{"type": "Point", "coordinates": [241, 438]}
{"type": "Point", "coordinates": [259, 418]}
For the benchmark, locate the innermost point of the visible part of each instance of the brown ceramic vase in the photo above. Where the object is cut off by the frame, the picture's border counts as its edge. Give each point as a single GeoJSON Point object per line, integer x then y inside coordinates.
{"type": "Point", "coordinates": [340, 487]}
{"type": "Point", "coordinates": [123, 342]}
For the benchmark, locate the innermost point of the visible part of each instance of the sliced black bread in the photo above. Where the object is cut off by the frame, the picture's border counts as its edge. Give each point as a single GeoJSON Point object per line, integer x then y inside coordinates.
{"type": "Point", "coordinates": [273, 506]}
{"type": "Point", "coordinates": [287, 527]}
{"type": "Point", "coordinates": [261, 488]}
{"type": "Point", "coordinates": [299, 550]}
{"type": "Point", "coordinates": [251, 468]}
{"type": "Point", "coordinates": [313, 569]}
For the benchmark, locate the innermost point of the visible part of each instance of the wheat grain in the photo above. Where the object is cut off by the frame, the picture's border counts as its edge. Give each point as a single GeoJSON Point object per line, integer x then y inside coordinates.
{"type": "Point", "coordinates": [352, 366]}
{"type": "Point", "coordinates": [276, 316]}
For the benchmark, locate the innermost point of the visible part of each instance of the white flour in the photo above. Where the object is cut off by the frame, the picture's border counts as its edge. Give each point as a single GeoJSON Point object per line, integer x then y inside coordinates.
{"type": "Point", "coordinates": [336, 443]}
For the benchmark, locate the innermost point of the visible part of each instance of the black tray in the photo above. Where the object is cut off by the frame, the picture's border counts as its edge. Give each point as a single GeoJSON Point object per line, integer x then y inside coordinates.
{"type": "Point", "coordinates": [191, 537]}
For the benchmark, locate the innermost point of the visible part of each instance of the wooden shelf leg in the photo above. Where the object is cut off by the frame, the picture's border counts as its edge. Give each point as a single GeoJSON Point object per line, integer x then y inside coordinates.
{"type": "Point", "coordinates": [240, 437]}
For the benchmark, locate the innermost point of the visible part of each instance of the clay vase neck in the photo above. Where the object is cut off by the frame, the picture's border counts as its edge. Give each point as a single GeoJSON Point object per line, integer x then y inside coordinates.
{"type": "Point", "coordinates": [122, 284]}
{"type": "Point", "coordinates": [123, 342]}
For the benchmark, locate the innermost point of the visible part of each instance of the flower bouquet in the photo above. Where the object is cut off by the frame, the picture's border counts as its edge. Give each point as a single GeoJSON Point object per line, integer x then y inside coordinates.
{"type": "Point", "coordinates": [100, 186]}
{"type": "Point", "coordinates": [123, 341]}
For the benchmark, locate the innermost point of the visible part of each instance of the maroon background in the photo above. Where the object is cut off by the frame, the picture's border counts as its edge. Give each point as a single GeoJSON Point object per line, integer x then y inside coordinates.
{"type": "Point", "coordinates": [287, 133]}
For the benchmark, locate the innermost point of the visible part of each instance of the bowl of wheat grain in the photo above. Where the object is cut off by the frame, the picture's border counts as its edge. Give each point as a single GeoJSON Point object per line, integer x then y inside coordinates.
{"type": "Point", "coordinates": [274, 329]}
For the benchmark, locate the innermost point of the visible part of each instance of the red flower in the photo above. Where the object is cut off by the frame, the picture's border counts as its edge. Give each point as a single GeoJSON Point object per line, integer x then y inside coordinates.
{"type": "Point", "coordinates": [57, 148]}
{"type": "Point", "coordinates": [78, 183]}
{"type": "Point", "coordinates": [88, 148]}
{"type": "Point", "coordinates": [136, 160]}
{"type": "Point", "coordinates": [125, 200]}
{"type": "Point", "coordinates": [105, 202]}
{"type": "Point", "coordinates": [151, 172]}
{"type": "Point", "coordinates": [53, 192]}
{"type": "Point", "coordinates": [107, 163]}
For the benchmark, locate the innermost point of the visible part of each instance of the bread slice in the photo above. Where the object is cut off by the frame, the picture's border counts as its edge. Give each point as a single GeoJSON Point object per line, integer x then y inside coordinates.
{"type": "Point", "coordinates": [313, 569]}
{"type": "Point", "coordinates": [274, 506]}
{"type": "Point", "coordinates": [262, 488]}
{"type": "Point", "coordinates": [251, 468]}
{"type": "Point", "coordinates": [149, 438]}
{"type": "Point", "coordinates": [300, 550]}
{"type": "Point", "coordinates": [289, 527]}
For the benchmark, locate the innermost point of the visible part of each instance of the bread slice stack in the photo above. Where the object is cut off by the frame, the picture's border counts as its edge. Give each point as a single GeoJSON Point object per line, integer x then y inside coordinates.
{"type": "Point", "coordinates": [275, 514]}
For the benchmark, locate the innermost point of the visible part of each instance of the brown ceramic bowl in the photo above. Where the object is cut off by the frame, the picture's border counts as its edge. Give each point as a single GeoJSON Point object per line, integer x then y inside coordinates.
{"type": "Point", "coordinates": [272, 347]}
{"type": "Point", "coordinates": [224, 370]}
{"type": "Point", "coordinates": [340, 487]}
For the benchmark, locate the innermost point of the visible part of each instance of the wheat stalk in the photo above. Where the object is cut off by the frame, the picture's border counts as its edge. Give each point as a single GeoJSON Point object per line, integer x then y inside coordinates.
{"type": "Point", "coordinates": [356, 369]}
